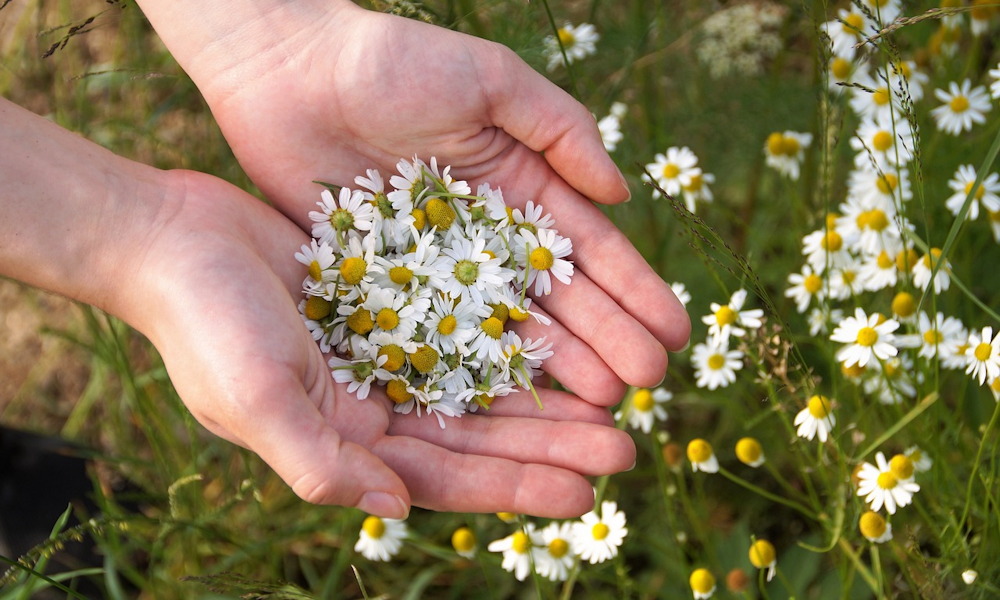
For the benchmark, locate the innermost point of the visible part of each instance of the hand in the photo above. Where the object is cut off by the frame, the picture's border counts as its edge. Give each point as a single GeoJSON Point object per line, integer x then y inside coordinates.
{"type": "Point", "coordinates": [305, 92]}
{"type": "Point", "coordinates": [217, 262]}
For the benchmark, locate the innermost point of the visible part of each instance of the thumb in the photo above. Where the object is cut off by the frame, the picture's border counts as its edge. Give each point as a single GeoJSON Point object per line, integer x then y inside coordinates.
{"type": "Point", "coordinates": [543, 117]}
{"type": "Point", "coordinates": [320, 466]}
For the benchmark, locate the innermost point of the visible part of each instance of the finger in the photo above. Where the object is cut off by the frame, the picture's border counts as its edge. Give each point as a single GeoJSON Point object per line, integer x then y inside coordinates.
{"type": "Point", "coordinates": [584, 448]}
{"type": "Point", "coordinates": [546, 119]}
{"type": "Point", "coordinates": [443, 480]}
{"type": "Point", "coordinates": [556, 406]}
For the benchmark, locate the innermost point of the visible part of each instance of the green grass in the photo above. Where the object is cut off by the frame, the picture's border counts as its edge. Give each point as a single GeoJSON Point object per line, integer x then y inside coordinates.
{"type": "Point", "coordinates": [209, 520]}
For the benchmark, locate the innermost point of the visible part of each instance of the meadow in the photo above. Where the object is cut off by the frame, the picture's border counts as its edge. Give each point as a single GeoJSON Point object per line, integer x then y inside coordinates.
{"type": "Point", "coordinates": [817, 181]}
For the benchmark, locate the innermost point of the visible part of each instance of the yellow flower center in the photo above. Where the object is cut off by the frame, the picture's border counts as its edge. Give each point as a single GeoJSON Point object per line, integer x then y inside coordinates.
{"type": "Point", "coordinates": [905, 260]}
{"type": "Point", "coordinates": [831, 220]}
{"type": "Point", "coordinates": [840, 68]}
{"type": "Point", "coordinates": [493, 327]}
{"type": "Point", "coordinates": [994, 216]}
{"type": "Point", "coordinates": [854, 370]}
{"type": "Point", "coordinates": [566, 38]}
{"type": "Point", "coordinates": [882, 141]}
{"type": "Point", "coordinates": [317, 308]}
{"type": "Point", "coordinates": [500, 311]}
{"type": "Point", "coordinates": [315, 271]}
{"type": "Point", "coordinates": [762, 554]}
{"type": "Point", "coordinates": [853, 23]}
{"type": "Point", "coordinates": [933, 337]}
{"type": "Point", "coordinates": [387, 319]}
{"type": "Point", "coordinates": [867, 336]}
{"type": "Point", "coordinates": [670, 170]}
{"type": "Point", "coordinates": [980, 191]}
{"type": "Point", "coordinates": [447, 325]}
{"type": "Point", "coordinates": [600, 531]}
{"type": "Point", "coordinates": [373, 526]}
{"type": "Point", "coordinates": [559, 547]}
{"type": "Point", "coordinates": [813, 283]}
{"type": "Point", "coordinates": [424, 359]}
{"type": "Point", "coordinates": [832, 241]}
{"type": "Point", "coordinates": [400, 275]}
{"type": "Point", "coordinates": [699, 451]}
{"type": "Point", "coordinates": [775, 143]}
{"type": "Point", "coordinates": [520, 542]}
{"type": "Point", "coordinates": [886, 480]}
{"type": "Point", "coordinates": [541, 258]}
{"type": "Point", "coordinates": [716, 362]}
{"type": "Point", "coordinates": [819, 406]}
{"type": "Point", "coordinates": [440, 214]}
{"type": "Point", "coordinates": [518, 315]}
{"type": "Point", "coordinates": [848, 276]}
{"type": "Point", "coordinates": [881, 96]}
{"type": "Point", "coordinates": [463, 540]}
{"type": "Point", "coordinates": [959, 104]}
{"type": "Point", "coordinates": [901, 466]}
{"type": "Point", "coordinates": [983, 352]}
{"type": "Point", "coordinates": [395, 357]}
{"type": "Point", "coordinates": [904, 69]}
{"type": "Point", "coordinates": [789, 145]}
{"type": "Point", "coordinates": [872, 525]}
{"type": "Point", "coordinates": [642, 400]}
{"type": "Point", "coordinates": [725, 316]}
{"type": "Point", "coordinates": [419, 218]}
{"type": "Point", "coordinates": [877, 219]}
{"type": "Point", "coordinates": [697, 181]}
{"type": "Point", "coordinates": [931, 258]}
{"type": "Point", "coordinates": [885, 261]}
{"type": "Point", "coordinates": [353, 270]}
{"type": "Point", "coordinates": [887, 183]}
{"type": "Point", "coordinates": [904, 304]}
{"type": "Point", "coordinates": [702, 581]}
{"type": "Point", "coordinates": [397, 392]}
{"type": "Point", "coordinates": [361, 322]}
{"type": "Point", "coordinates": [748, 450]}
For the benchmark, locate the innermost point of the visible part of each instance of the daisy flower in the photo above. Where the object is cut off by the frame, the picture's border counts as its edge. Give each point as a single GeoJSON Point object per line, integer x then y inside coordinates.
{"type": "Point", "coordinates": [816, 419]}
{"type": "Point", "coordinates": [841, 71]}
{"type": "Point", "coordinates": [681, 292]}
{"type": "Point", "coordinates": [357, 374]}
{"type": "Point", "coordinates": [730, 319]}
{"type": "Point", "coordinates": [923, 268]}
{"type": "Point", "coordinates": [849, 28]}
{"type": "Point", "coordinates": [939, 336]}
{"type": "Point", "coordinates": [921, 461]}
{"type": "Point", "coordinates": [763, 556]}
{"type": "Point", "coordinates": [880, 485]}
{"type": "Point", "coordinates": [597, 536]}
{"type": "Point", "coordinates": [702, 457]}
{"type": "Point", "coordinates": [986, 193]}
{"type": "Point", "coordinates": [610, 126]}
{"type": "Point", "coordinates": [393, 312]}
{"type": "Point", "coordinates": [577, 41]}
{"type": "Point", "coordinates": [380, 539]}
{"type": "Point", "coordinates": [884, 142]}
{"type": "Point", "coordinates": [907, 77]}
{"type": "Point", "coordinates": [878, 271]}
{"type": "Point", "coordinates": [881, 189]}
{"type": "Point", "coordinates": [885, 11]}
{"type": "Point", "coordinates": [805, 286]}
{"type": "Point", "coordinates": [522, 360]}
{"type": "Point", "coordinates": [336, 217]}
{"type": "Point", "coordinates": [982, 355]}
{"type": "Point", "coordinates": [844, 281]}
{"type": "Point", "coordinates": [475, 274]}
{"type": "Point", "coordinates": [865, 337]}
{"type": "Point", "coordinates": [554, 557]}
{"type": "Point", "coordinates": [874, 527]}
{"type": "Point", "coordinates": [516, 551]}
{"type": "Point", "coordinates": [673, 170]}
{"type": "Point", "coordinates": [715, 364]}
{"type": "Point", "coordinates": [981, 16]}
{"type": "Point", "coordinates": [645, 408]}
{"type": "Point", "coordinates": [702, 584]}
{"type": "Point", "coordinates": [826, 247]}
{"type": "Point", "coordinates": [962, 106]}
{"type": "Point", "coordinates": [785, 152]}
{"type": "Point", "coordinates": [463, 540]}
{"type": "Point", "coordinates": [546, 256]}
{"type": "Point", "coordinates": [697, 190]}
{"type": "Point", "coordinates": [873, 97]}
{"type": "Point", "coordinates": [318, 258]}
{"type": "Point", "coordinates": [749, 452]}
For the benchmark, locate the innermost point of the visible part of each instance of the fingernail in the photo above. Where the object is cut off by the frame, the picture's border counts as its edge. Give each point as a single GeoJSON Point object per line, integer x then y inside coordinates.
{"type": "Point", "coordinates": [621, 176]}
{"type": "Point", "coordinates": [634, 463]}
{"type": "Point", "coordinates": [385, 505]}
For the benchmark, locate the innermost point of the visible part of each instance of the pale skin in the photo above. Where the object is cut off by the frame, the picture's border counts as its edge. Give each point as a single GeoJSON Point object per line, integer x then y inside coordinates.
{"type": "Point", "coordinates": [297, 107]}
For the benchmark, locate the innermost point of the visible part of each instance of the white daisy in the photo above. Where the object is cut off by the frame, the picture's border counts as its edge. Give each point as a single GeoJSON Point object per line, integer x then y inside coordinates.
{"type": "Point", "coordinates": [826, 248]}
{"type": "Point", "coordinates": [318, 258]}
{"type": "Point", "coordinates": [545, 257]}
{"type": "Point", "coordinates": [884, 143]}
{"type": "Point", "coordinates": [864, 338]}
{"type": "Point", "coordinates": [380, 539]}
{"type": "Point", "coordinates": [805, 286]}
{"type": "Point", "coordinates": [697, 190]}
{"type": "Point", "coordinates": [924, 267]}
{"type": "Point", "coordinates": [681, 292]}
{"type": "Point", "coordinates": [463, 540]}
{"type": "Point", "coordinates": [982, 355]}
{"type": "Point", "coordinates": [849, 28]}
{"type": "Point", "coordinates": [516, 550]}
{"type": "Point", "coordinates": [880, 485]}
{"type": "Point", "coordinates": [475, 274]}
{"type": "Point", "coordinates": [672, 171]}
{"type": "Point", "coordinates": [715, 364]}
{"type": "Point", "coordinates": [878, 271]}
{"type": "Point", "coordinates": [358, 374]}
{"type": "Point", "coordinates": [337, 217]}
{"type": "Point", "coordinates": [610, 127]}
{"type": "Point", "coordinates": [763, 556]}
{"type": "Point", "coordinates": [939, 337]}
{"type": "Point", "coordinates": [962, 106]}
{"type": "Point", "coordinates": [730, 319]}
{"type": "Point", "coordinates": [816, 419]}
{"type": "Point", "coordinates": [451, 324]}
{"type": "Point", "coordinates": [884, 11]}
{"type": "Point", "coordinates": [882, 189]}
{"type": "Point", "coordinates": [702, 456]}
{"type": "Point", "coordinates": [785, 151]}
{"type": "Point", "coordinates": [554, 557]}
{"type": "Point", "coordinates": [845, 281]}
{"type": "Point", "coordinates": [393, 311]}
{"type": "Point", "coordinates": [522, 360]}
{"type": "Point", "coordinates": [986, 193]}
{"type": "Point", "coordinates": [597, 536]}
{"type": "Point", "coordinates": [487, 340]}
{"type": "Point", "coordinates": [921, 461]}
{"type": "Point", "coordinates": [644, 408]}
{"type": "Point", "coordinates": [872, 97]}
{"type": "Point", "coordinates": [577, 41]}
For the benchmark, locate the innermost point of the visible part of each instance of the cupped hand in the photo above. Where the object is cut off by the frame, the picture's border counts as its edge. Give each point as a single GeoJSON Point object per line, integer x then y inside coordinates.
{"type": "Point", "coordinates": [324, 93]}
{"type": "Point", "coordinates": [216, 292]}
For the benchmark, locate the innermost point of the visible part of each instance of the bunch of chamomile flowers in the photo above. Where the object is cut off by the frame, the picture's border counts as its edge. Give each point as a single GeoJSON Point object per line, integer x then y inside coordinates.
{"type": "Point", "coordinates": [413, 286]}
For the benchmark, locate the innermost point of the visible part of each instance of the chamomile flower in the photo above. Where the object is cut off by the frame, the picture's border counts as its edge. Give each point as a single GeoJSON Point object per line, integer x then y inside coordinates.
{"type": "Point", "coordinates": [715, 364]}
{"type": "Point", "coordinates": [878, 271]}
{"type": "Point", "coordinates": [702, 457]}
{"type": "Point", "coordinates": [816, 419]}
{"type": "Point", "coordinates": [982, 355]}
{"type": "Point", "coordinates": [840, 72]}
{"type": "Point", "coordinates": [883, 142]}
{"type": "Point", "coordinates": [883, 486]}
{"type": "Point", "coordinates": [905, 76]}
{"type": "Point", "coordinates": [865, 337]}
{"type": "Point", "coordinates": [597, 535]}
{"type": "Point", "coordinates": [673, 170]}
{"type": "Point", "coordinates": [805, 287]}
{"type": "Point", "coordinates": [845, 281]}
{"type": "Point", "coordinates": [785, 151]}
{"type": "Point", "coordinates": [318, 258]}
{"type": "Point", "coordinates": [697, 190]}
{"type": "Point", "coordinates": [337, 217]}
{"type": "Point", "coordinates": [873, 97]}
{"type": "Point", "coordinates": [849, 28]}
{"type": "Point", "coordinates": [450, 324]}
{"type": "Point", "coordinates": [546, 256]}
{"type": "Point", "coordinates": [939, 336]}
{"type": "Point", "coordinates": [923, 269]}
{"type": "Point", "coordinates": [554, 557]}
{"type": "Point", "coordinates": [475, 274]}
{"type": "Point", "coordinates": [610, 126]}
{"type": "Point", "coordinates": [380, 539]}
{"type": "Point", "coordinates": [981, 16]}
{"type": "Point", "coordinates": [702, 584]}
{"type": "Point", "coordinates": [987, 194]}
{"type": "Point", "coordinates": [884, 11]}
{"type": "Point", "coordinates": [763, 556]}
{"type": "Point", "coordinates": [882, 189]}
{"type": "Point", "coordinates": [874, 527]}
{"type": "Point", "coordinates": [645, 408]}
{"type": "Point", "coordinates": [826, 247]}
{"type": "Point", "coordinates": [577, 41]}
{"type": "Point", "coordinates": [921, 461]}
{"type": "Point", "coordinates": [730, 319]}
{"type": "Point", "coordinates": [463, 540]}
{"type": "Point", "coordinates": [749, 452]}
{"type": "Point", "coordinates": [681, 292]}
{"type": "Point", "coordinates": [963, 105]}
{"type": "Point", "coordinates": [358, 374]}
{"type": "Point", "coordinates": [521, 360]}
{"type": "Point", "coordinates": [516, 551]}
